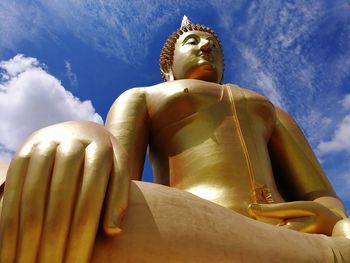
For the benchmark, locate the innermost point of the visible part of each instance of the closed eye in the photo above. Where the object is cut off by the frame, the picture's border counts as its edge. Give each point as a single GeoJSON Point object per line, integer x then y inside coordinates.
{"type": "Point", "coordinates": [191, 41]}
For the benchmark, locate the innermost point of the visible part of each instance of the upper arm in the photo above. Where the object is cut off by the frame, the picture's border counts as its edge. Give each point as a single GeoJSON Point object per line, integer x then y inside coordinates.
{"type": "Point", "coordinates": [296, 168]}
{"type": "Point", "coordinates": [128, 121]}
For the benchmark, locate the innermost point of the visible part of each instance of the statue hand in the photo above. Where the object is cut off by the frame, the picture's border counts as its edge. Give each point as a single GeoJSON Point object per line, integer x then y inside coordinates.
{"type": "Point", "coordinates": [55, 188]}
{"type": "Point", "coordinates": [304, 216]}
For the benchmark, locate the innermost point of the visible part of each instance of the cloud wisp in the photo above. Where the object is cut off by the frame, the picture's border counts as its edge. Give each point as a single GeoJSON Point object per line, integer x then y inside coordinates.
{"type": "Point", "coordinates": [72, 77]}
{"type": "Point", "coordinates": [31, 98]}
{"type": "Point", "coordinates": [118, 29]}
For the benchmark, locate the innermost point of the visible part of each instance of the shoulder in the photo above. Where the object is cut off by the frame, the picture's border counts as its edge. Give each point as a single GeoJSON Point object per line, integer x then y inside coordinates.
{"type": "Point", "coordinates": [284, 117]}
{"type": "Point", "coordinates": [130, 96]}
{"type": "Point", "coordinates": [247, 93]}
{"type": "Point", "coordinates": [285, 122]}
{"type": "Point", "coordinates": [141, 92]}
{"type": "Point", "coordinates": [130, 100]}
{"type": "Point", "coordinates": [130, 93]}
{"type": "Point", "coordinates": [134, 98]}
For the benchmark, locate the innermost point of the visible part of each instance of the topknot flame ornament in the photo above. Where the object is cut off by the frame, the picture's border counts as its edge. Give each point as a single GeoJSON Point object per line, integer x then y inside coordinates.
{"type": "Point", "coordinates": [185, 22]}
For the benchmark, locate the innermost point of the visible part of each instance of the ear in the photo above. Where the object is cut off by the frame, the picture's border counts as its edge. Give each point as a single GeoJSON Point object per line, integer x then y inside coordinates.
{"type": "Point", "coordinates": [167, 71]}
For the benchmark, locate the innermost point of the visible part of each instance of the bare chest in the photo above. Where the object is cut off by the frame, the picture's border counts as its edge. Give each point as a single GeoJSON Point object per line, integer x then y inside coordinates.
{"type": "Point", "coordinates": [205, 107]}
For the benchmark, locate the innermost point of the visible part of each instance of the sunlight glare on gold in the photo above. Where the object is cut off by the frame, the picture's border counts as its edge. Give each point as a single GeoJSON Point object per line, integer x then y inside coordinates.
{"type": "Point", "coordinates": [206, 191]}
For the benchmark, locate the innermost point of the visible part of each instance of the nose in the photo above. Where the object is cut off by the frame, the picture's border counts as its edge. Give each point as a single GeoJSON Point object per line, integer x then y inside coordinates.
{"type": "Point", "coordinates": [206, 47]}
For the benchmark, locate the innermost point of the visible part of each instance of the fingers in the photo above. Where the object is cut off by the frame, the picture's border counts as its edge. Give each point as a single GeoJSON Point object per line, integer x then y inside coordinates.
{"type": "Point", "coordinates": [282, 210]}
{"type": "Point", "coordinates": [97, 167]}
{"type": "Point", "coordinates": [118, 191]}
{"type": "Point", "coordinates": [35, 189]}
{"type": "Point", "coordinates": [10, 211]}
{"type": "Point", "coordinates": [61, 200]}
{"type": "Point", "coordinates": [55, 193]}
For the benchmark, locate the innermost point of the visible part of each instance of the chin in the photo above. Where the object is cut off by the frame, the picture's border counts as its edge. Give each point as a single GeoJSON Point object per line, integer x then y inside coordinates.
{"type": "Point", "coordinates": [205, 72]}
{"type": "Point", "coordinates": [206, 76]}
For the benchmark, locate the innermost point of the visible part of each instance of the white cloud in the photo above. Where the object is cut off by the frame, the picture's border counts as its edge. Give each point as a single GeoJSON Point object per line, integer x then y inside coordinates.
{"type": "Point", "coordinates": [346, 102]}
{"type": "Point", "coordinates": [17, 65]}
{"type": "Point", "coordinates": [340, 140]}
{"type": "Point", "coordinates": [31, 98]}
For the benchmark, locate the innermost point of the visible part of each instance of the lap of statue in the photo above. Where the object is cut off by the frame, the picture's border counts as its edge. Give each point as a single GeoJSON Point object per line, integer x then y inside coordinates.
{"type": "Point", "coordinates": [164, 224]}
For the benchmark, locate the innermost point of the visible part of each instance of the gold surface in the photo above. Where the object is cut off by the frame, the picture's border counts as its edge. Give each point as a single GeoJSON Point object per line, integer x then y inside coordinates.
{"type": "Point", "coordinates": [164, 224]}
{"type": "Point", "coordinates": [244, 157]}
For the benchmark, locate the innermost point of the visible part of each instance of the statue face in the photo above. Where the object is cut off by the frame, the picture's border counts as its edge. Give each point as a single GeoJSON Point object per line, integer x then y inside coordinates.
{"type": "Point", "coordinates": [198, 55]}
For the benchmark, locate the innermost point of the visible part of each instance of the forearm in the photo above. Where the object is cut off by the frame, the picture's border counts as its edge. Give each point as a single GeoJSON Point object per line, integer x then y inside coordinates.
{"type": "Point", "coordinates": [296, 168]}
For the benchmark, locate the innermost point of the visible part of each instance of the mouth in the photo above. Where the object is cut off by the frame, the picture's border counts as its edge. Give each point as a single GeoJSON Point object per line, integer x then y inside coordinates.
{"type": "Point", "coordinates": [206, 62]}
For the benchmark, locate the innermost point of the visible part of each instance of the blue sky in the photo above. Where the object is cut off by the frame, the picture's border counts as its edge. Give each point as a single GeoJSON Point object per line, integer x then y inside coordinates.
{"type": "Point", "coordinates": [63, 60]}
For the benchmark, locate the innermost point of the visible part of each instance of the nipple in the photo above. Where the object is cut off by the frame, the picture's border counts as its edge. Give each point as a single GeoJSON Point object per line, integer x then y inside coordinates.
{"type": "Point", "coordinates": [186, 90]}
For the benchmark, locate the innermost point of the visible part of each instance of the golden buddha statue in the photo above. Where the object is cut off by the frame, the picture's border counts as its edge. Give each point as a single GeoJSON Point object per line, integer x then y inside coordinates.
{"type": "Point", "coordinates": [233, 177]}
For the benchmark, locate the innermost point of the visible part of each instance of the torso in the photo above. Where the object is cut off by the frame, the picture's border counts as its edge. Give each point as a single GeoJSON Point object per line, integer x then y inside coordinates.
{"type": "Point", "coordinates": [211, 140]}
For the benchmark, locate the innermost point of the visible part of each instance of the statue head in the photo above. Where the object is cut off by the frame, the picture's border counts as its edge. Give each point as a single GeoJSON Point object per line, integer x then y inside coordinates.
{"type": "Point", "coordinates": [192, 52]}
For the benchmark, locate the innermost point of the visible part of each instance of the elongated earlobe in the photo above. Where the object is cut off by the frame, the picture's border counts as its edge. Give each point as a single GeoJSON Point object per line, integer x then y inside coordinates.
{"type": "Point", "coordinates": [167, 72]}
{"type": "Point", "coordinates": [171, 75]}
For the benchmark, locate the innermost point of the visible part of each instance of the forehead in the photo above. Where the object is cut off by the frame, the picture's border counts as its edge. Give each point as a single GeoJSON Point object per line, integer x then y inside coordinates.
{"type": "Point", "coordinates": [195, 33]}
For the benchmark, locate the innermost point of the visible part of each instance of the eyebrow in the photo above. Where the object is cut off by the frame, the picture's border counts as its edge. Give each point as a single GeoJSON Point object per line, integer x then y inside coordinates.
{"type": "Point", "coordinates": [189, 36]}
{"type": "Point", "coordinates": [210, 37]}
